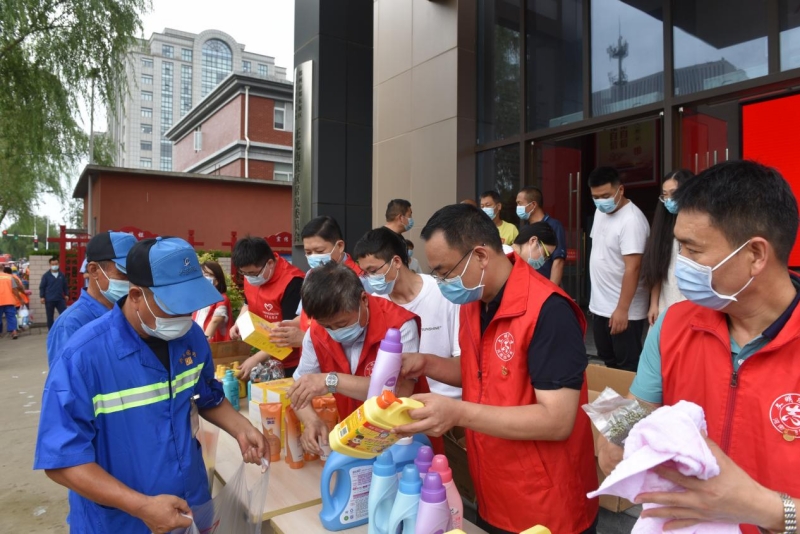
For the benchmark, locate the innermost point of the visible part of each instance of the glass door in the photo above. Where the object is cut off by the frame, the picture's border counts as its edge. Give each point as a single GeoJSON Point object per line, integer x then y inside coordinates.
{"type": "Point", "coordinates": [706, 135]}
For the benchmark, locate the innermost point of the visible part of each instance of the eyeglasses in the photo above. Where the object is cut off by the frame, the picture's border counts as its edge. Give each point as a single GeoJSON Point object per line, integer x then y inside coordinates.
{"type": "Point", "coordinates": [259, 273]}
{"type": "Point", "coordinates": [365, 273]}
{"type": "Point", "coordinates": [443, 279]}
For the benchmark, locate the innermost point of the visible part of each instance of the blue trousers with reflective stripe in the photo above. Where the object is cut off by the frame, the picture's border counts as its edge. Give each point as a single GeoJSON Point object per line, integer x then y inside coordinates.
{"type": "Point", "coordinates": [10, 311]}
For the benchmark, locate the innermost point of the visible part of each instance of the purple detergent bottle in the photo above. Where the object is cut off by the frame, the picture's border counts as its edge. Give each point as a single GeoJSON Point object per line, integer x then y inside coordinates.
{"type": "Point", "coordinates": [433, 516]}
{"type": "Point", "coordinates": [424, 460]}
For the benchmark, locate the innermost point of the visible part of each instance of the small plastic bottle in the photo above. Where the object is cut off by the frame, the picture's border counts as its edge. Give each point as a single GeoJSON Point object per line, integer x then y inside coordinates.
{"type": "Point", "coordinates": [382, 492]}
{"type": "Point", "coordinates": [388, 363]}
{"type": "Point", "coordinates": [433, 515]}
{"type": "Point", "coordinates": [404, 511]}
{"type": "Point", "coordinates": [440, 465]}
{"type": "Point", "coordinates": [424, 460]}
{"type": "Point", "coordinates": [230, 386]}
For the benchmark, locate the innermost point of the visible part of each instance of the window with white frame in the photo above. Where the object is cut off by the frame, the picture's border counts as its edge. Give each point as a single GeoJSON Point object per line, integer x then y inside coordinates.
{"type": "Point", "coordinates": [167, 50]}
{"type": "Point", "coordinates": [147, 128]}
{"type": "Point", "coordinates": [147, 96]}
{"type": "Point", "coordinates": [146, 145]}
{"type": "Point", "coordinates": [147, 163]}
{"type": "Point", "coordinates": [147, 79]}
{"type": "Point", "coordinates": [246, 66]}
{"type": "Point", "coordinates": [280, 115]}
{"type": "Point", "coordinates": [198, 140]}
{"type": "Point", "coordinates": [186, 54]}
{"type": "Point", "coordinates": [147, 63]}
{"type": "Point", "coordinates": [263, 70]}
{"type": "Point", "coordinates": [147, 112]}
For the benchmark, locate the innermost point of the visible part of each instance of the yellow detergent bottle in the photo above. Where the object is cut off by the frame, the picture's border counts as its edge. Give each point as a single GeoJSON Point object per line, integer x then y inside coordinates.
{"type": "Point", "coordinates": [366, 432]}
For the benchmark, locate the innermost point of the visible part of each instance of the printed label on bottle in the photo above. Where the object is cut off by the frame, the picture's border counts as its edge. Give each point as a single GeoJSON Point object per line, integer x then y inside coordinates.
{"type": "Point", "coordinates": [358, 504]}
{"type": "Point", "coordinates": [358, 433]}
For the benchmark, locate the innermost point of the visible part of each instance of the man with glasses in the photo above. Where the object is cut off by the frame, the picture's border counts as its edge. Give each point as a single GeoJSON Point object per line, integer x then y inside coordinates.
{"type": "Point", "coordinates": [529, 444]}
{"type": "Point", "coordinates": [382, 255]}
{"type": "Point", "coordinates": [271, 290]}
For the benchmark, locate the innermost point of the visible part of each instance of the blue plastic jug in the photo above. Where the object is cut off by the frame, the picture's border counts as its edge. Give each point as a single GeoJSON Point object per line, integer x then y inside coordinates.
{"type": "Point", "coordinates": [404, 452]}
{"type": "Point", "coordinates": [347, 505]}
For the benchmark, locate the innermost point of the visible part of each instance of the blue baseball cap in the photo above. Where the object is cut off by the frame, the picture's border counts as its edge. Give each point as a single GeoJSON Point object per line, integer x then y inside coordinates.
{"type": "Point", "coordinates": [168, 266]}
{"type": "Point", "coordinates": [110, 246]}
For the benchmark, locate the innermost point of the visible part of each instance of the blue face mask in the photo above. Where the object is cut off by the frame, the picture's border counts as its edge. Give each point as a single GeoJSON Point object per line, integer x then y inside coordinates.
{"type": "Point", "coordinates": [489, 212]}
{"type": "Point", "coordinates": [695, 282]}
{"type": "Point", "coordinates": [671, 205]}
{"type": "Point", "coordinates": [347, 334]}
{"type": "Point", "coordinates": [410, 253]}
{"type": "Point", "coordinates": [315, 260]}
{"type": "Point", "coordinates": [453, 288]}
{"type": "Point", "coordinates": [410, 224]}
{"type": "Point", "coordinates": [607, 205]}
{"type": "Point", "coordinates": [116, 288]}
{"type": "Point", "coordinates": [376, 284]}
{"type": "Point", "coordinates": [259, 279]}
{"type": "Point", "coordinates": [522, 212]}
{"type": "Point", "coordinates": [537, 263]}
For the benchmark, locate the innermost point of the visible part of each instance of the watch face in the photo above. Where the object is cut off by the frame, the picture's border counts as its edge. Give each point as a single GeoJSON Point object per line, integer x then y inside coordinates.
{"type": "Point", "coordinates": [331, 380]}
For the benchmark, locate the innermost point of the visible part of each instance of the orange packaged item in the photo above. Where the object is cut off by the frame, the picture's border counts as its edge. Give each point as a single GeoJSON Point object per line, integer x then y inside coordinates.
{"type": "Point", "coordinates": [327, 411]}
{"type": "Point", "coordinates": [294, 448]}
{"type": "Point", "coordinates": [271, 425]}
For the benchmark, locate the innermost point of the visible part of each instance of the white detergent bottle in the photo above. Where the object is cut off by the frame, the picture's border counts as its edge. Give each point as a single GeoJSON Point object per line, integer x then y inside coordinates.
{"type": "Point", "coordinates": [404, 511]}
{"type": "Point", "coordinates": [388, 362]}
{"type": "Point", "coordinates": [441, 466]}
{"type": "Point", "coordinates": [382, 492]}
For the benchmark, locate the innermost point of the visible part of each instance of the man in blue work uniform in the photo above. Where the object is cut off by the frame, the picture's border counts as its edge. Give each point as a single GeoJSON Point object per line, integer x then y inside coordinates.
{"type": "Point", "coordinates": [53, 291]}
{"type": "Point", "coordinates": [119, 410]}
{"type": "Point", "coordinates": [105, 265]}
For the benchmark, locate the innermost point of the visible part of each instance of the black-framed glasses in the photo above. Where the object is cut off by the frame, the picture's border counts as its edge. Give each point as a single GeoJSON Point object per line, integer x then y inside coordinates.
{"type": "Point", "coordinates": [259, 272]}
{"type": "Point", "coordinates": [365, 273]}
{"type": "Point", "coordinates": [444, 277]}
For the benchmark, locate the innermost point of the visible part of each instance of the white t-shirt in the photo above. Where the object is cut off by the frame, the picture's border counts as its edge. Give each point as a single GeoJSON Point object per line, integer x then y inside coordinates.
{"type": "Point", "coordinates": [670, 294]}
{"type": "Point", "coordinates": [309, 363]}
{"type": "Point", "coordinates": [439, 318]}
{"type": "Point", "coordinates": [613, 236]}
{"type": "Point", "coordinates": [413, 265]}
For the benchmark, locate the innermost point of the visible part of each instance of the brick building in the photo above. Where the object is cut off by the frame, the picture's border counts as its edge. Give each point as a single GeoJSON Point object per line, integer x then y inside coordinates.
{"type": "Point", "coordinates": [243, 128]}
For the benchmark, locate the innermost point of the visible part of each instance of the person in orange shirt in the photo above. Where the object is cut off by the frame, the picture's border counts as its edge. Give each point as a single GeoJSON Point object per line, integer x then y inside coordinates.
{"type": "Point", "coordinates": [9, 299]}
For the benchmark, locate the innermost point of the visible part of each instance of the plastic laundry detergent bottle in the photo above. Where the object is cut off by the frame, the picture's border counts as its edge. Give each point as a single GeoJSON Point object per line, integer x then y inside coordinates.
{"type": "Point", "coordinates": [382, 492]}
{"type": "Point", "coordinates": [441, 466]}
{"type": "Point", "coordinates": [388, 362]}
{"type": "Point", "coordinates": [424, 460]}
{"type": "Point", "coordinates": [347, 504]}
{"type": "Point", "coordinates": [404, 511]}
{"type": "Point", "coordinates": [230, 386]}
{"type": "Point", "coordinates": [404, 452]}
{"type": "Point", "coordinates": [433, 516]}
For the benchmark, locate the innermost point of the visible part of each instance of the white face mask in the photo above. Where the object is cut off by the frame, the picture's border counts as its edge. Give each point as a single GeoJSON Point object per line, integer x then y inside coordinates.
{"type": "Point", "coordinates": [166, 328]}
{"type": "Point", "coordinates": [116, 288]}
{"type": "Point", "coordinates": [258, 280]}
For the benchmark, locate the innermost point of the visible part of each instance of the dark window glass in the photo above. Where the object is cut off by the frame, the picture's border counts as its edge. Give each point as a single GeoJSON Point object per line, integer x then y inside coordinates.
{"type": "Point", "coordinates": [499, 78]}
{"type": "Point", "coordinates": [627, 54]}
{"type": "Point", "coordinates": [498, 170]}
{"type": "Point", "coordinates": [790, 34]}
{"type": "Point", "coordinates": [554, 64]}
{"type": "Point", "coordinates": [718, 43]}
{"type": "Point", "coordinates": [217, 64]}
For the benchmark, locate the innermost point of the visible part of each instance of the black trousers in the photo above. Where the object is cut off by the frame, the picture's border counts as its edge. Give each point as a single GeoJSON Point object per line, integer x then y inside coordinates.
{"type": "Point", "coordinates": [50, 307]}
{"type": "Point", "coordinates": [620, 351]}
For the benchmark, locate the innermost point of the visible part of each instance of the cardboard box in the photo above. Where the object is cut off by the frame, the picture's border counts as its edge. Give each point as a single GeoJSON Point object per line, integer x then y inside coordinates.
{"type": "Point", "coordinates": [456, 451]}
{"type": "Point", "coordinates": [255, 331]}
{"type": "Point", "coordinates": [600, 377]}
{"type": "Point", "coordinates": [255, 414]}
{"type": "Point", "coordinates": [227, 352]}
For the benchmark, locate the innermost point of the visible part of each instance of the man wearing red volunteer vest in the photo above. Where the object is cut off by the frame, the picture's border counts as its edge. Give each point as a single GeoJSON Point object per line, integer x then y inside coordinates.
{"type": "Point", "coordinates": [339, 348]}
{"type": "Point", "coordinates": [271, 291]}
{"type": "Point", "coordinates": [529, 445]}
{"type": "Point", "coordinates": [733, 348]}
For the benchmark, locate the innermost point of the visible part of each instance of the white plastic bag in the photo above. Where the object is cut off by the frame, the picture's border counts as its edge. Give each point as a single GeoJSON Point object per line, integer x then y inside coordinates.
{"type": "Point", "coordinates": [208, 436]}
{"type": "Point", "coordinates": [239, 507]}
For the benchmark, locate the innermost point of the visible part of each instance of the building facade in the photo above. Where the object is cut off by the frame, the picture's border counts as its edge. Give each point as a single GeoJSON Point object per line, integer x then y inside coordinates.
{"type": "Point", "coordinates": [242, 128]}
{"type": "Point", "coordinates": [168, 75]}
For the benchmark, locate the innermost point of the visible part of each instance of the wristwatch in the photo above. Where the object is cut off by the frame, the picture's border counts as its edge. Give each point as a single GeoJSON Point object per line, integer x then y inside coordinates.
{"type": "Point", "coordinates": [789, 515]}
{"type": "Point", "coordinates": [331, 381]}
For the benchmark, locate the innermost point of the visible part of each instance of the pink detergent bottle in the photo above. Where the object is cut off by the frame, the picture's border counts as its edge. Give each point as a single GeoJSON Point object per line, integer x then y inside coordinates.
{"type": "Point", "coordinates": [440, 465]}
{"type": "Point", "coordinates": [433, 516]}
{"type": "Point", "coordinates": [388, 362]}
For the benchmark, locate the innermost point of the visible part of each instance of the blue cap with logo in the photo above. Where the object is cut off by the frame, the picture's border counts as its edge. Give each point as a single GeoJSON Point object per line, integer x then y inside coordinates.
{"type": "Point", "coordinates": [109, 246]}
{"type": "Point", "coordinates": [168, 266]}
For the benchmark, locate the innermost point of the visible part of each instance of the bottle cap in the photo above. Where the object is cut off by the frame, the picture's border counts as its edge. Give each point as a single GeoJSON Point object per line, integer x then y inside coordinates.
{"type": "Point", "coordinates": [424, 459]}
{"type": "Point", "coordinates": [386, 399]}
{"type": "Point", "coordinates": [440, 465]}
{"type": "Point", "coordinates": [408, 440]}
{"type": "Point", "coordinates": [229, 373]}
{"type": "Point", "coordinates": [391, 343]}
{"type": "Point", "coordinates": [432, 489]}
{"type": "Point", "coordinates": [410, 483]}
{"type": "Point", "coordinates": [384, 465]}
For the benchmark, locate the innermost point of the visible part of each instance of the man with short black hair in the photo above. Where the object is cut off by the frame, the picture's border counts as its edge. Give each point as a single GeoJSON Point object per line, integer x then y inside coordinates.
{"type": "Point", "coordinates": [619, 298]}
{"type": "Point", "coordinates": [522, 372]}
{"type": "Point", "coordinates": [120, 406]}
{"type": "Point", "coordinates": [381, 253]}
{"type": "Point", "coordinates": [491, 206]}
{"type": "Point", "coordinates": [53, 291]}
{"type": "Point", "coordinates": [106, 254]}
{"type": "Point", "coordinates": [530, 208]}
{"type": "Point", "coordinates": [271, 291]}
{"type": "Point", "coordinates": [399, 217]}
{"type": "Point", "coordinates": [733, 348]}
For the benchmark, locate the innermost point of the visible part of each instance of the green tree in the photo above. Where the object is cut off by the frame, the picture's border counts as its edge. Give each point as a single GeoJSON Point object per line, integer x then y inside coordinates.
{"type": "Point", "coordinates": [20, 247]}
{"type": "Point", "coordinates": [55, 54]}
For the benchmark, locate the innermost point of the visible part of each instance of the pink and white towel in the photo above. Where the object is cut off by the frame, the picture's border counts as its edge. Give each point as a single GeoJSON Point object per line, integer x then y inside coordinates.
{"type": "Point", "coordinates": [671, 435]}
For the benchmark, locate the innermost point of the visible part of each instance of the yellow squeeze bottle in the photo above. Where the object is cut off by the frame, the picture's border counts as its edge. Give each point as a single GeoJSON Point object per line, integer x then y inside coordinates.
{"type": "Point", "coordinates": [366, 432]}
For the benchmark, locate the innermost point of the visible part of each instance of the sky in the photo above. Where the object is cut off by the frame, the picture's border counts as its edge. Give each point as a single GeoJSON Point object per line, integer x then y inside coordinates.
{"type": "Point", "coordinates": [265, 27]}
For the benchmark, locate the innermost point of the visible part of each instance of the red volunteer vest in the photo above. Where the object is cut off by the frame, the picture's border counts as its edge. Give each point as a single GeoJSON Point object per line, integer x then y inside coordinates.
{"type": "Point", "coordinates": [383, 315]}
{"type": "Point", "coordinates": [753, 413]}
{"type": "Point", "coordinates": [265, 300]}
{"type": "Point", "coordinates": [223, 334]}
{"type": "Point", "coordinates": [522, 483]}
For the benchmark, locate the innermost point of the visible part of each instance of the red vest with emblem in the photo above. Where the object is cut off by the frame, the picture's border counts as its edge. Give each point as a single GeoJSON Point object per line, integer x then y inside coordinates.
{"type": "Point", "coordinates": [383, 315]}
{"type": "Point", "coordinates": [222, 334]}
{"type": "Point", "coordinates": [523, 483]}
{"type": "Point", "coordinates": [753, 413]}
{"type": "Point", "coordinates": [265, 300]}
{"type": "Point", "coordinates": [305, 320]}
